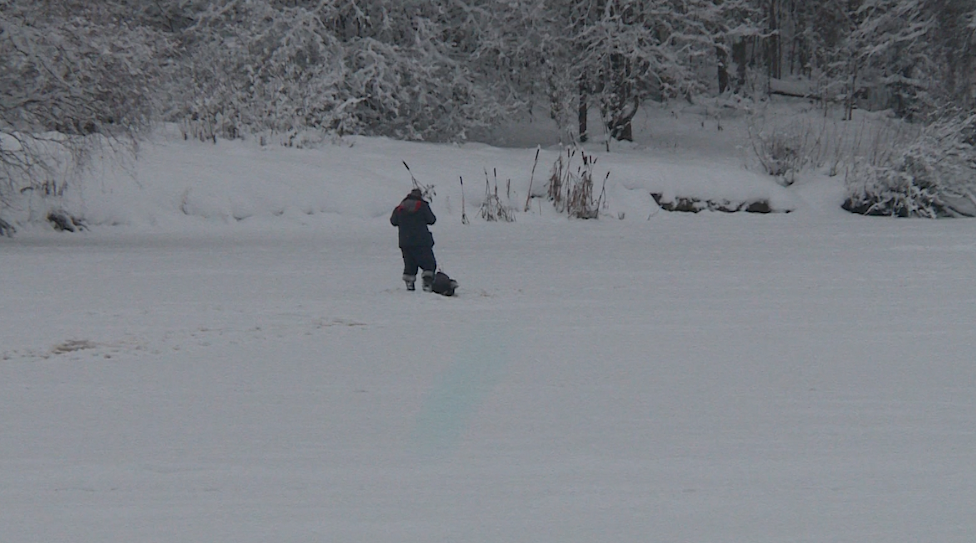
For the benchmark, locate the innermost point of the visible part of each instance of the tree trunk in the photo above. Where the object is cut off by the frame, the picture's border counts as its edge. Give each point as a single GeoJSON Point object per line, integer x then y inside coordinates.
{"type": "Point", "coordinates": [772, 43]}
{"type": "Point", "coordinates": [851, 92]}
{"type": "Point", "coordinates": [723, 69]}
{"type": "Point", "coordinates": [584, 104]}
{"type": "Point", "coordinates": [739, 58]}
{"type": "Point", "coordinates": [624, 129]}
{"type": "Point", "coordinates": [621, 104]}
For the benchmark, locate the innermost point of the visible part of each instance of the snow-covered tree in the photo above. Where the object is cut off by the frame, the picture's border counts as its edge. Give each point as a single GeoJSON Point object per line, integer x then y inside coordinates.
{"type": "Point", "coordinates": [882, 49]}
{"type": "Point", "coordinates": [730, 24]}
{"type": "Point", "coordinates": [72, 74]}
{"type": "Point", "coordinates": [249, 67]}
{"type": "Point", "coordinates": [622, 52]}
{"type": "Point", "coordinates": [359, 66]}
{"type": "Point", "coordinates": [953, 41]}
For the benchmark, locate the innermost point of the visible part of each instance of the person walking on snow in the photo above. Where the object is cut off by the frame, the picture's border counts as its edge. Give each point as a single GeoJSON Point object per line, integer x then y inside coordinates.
{"type": "Point", "coordinates": [411, 217]}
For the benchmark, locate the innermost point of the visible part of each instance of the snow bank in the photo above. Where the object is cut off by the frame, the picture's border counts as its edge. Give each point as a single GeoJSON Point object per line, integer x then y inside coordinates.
{"type": "Point", "coordinates": [175, 184]}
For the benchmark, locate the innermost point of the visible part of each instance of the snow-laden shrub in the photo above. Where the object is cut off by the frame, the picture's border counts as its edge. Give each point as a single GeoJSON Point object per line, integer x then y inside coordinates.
{"type": "Point", "coordinates": [7, 229]}
{"type": "Point", "coordinates": [783, 151]}
{"type": "Point", "coordinates": [493, 209]}
{"type": "Point", "coordinates": [572, 190]}
{"type": "Point", "coordinates": [933, 176]}
{"type": "Point", "coordinates": [781, 154]}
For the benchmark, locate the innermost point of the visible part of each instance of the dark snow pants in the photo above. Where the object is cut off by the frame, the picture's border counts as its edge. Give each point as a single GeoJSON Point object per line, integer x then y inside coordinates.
{"type": "Point", "coordinates": [418, 257]}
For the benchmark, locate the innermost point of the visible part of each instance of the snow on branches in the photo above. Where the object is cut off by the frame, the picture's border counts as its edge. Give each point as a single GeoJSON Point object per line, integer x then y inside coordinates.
{"type": "Point", "coordinates": [932, 176]}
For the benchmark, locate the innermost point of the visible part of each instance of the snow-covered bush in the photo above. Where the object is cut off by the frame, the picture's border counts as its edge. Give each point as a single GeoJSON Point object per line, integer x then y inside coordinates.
{"type": "Point", "coordinates": [7, 229]}
{"type": "Point", "coordinates": [820, 142]}
{"type": "Point", "coordinates": [492, 209]}
{"type": "Point", "coordinates": [780, 153]}
{"type": "Point", "coordinates": [784, 150]}
{"type": "Point", "coordinates": [572, 190]}
{"type": "Point", "coordinates": [933, 176]}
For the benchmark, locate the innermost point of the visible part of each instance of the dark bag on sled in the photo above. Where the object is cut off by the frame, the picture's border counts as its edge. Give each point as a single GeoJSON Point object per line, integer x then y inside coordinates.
{"type": "Point", "coordinates": [444, 284]}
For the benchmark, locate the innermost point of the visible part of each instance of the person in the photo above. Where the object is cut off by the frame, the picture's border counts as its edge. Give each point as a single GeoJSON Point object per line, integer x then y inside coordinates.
{"type": "Point", "coordinates": [412, 217]}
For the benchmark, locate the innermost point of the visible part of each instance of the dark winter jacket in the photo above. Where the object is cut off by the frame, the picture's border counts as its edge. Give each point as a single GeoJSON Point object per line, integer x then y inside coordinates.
{"type": "Point", "coordinates": [412, 217]}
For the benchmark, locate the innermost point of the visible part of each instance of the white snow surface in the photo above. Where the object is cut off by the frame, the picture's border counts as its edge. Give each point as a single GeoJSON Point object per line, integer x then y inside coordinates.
{"type": "Point", "coordinates": [228, 355]}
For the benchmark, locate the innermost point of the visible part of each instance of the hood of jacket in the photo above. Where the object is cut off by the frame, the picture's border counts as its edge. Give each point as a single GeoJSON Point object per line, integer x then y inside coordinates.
{"type": "Point", "coordinates": [411, 204]}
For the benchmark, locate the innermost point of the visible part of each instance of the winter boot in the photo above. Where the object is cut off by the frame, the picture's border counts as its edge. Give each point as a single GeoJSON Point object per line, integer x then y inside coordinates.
{"type": "Point", "coordinates": [410, 280]}
{"type": "Point", "coordinates": [428, 277]}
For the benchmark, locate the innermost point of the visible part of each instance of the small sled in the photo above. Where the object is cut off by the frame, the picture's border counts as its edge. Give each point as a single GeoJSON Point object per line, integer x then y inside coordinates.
{"type": "Point", "coordinates": [444, 285]}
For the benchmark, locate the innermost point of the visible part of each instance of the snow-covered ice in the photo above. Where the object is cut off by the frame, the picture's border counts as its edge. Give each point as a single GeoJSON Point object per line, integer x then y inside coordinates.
{"type": "Point", "coordinates": [237, 360]}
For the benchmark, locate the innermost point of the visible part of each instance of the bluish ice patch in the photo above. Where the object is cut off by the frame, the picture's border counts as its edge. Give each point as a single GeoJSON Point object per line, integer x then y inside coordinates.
{"type": "Point", "coordinates": [460, 391]}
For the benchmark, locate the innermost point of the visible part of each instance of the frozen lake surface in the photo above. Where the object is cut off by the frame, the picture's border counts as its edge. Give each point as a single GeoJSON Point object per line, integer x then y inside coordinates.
{"type": "Point", "coordinates": [710, 378]}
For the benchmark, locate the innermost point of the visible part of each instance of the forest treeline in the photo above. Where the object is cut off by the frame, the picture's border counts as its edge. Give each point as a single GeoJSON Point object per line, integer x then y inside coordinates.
{"type": "Point", "coordinates": [435, 69]}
